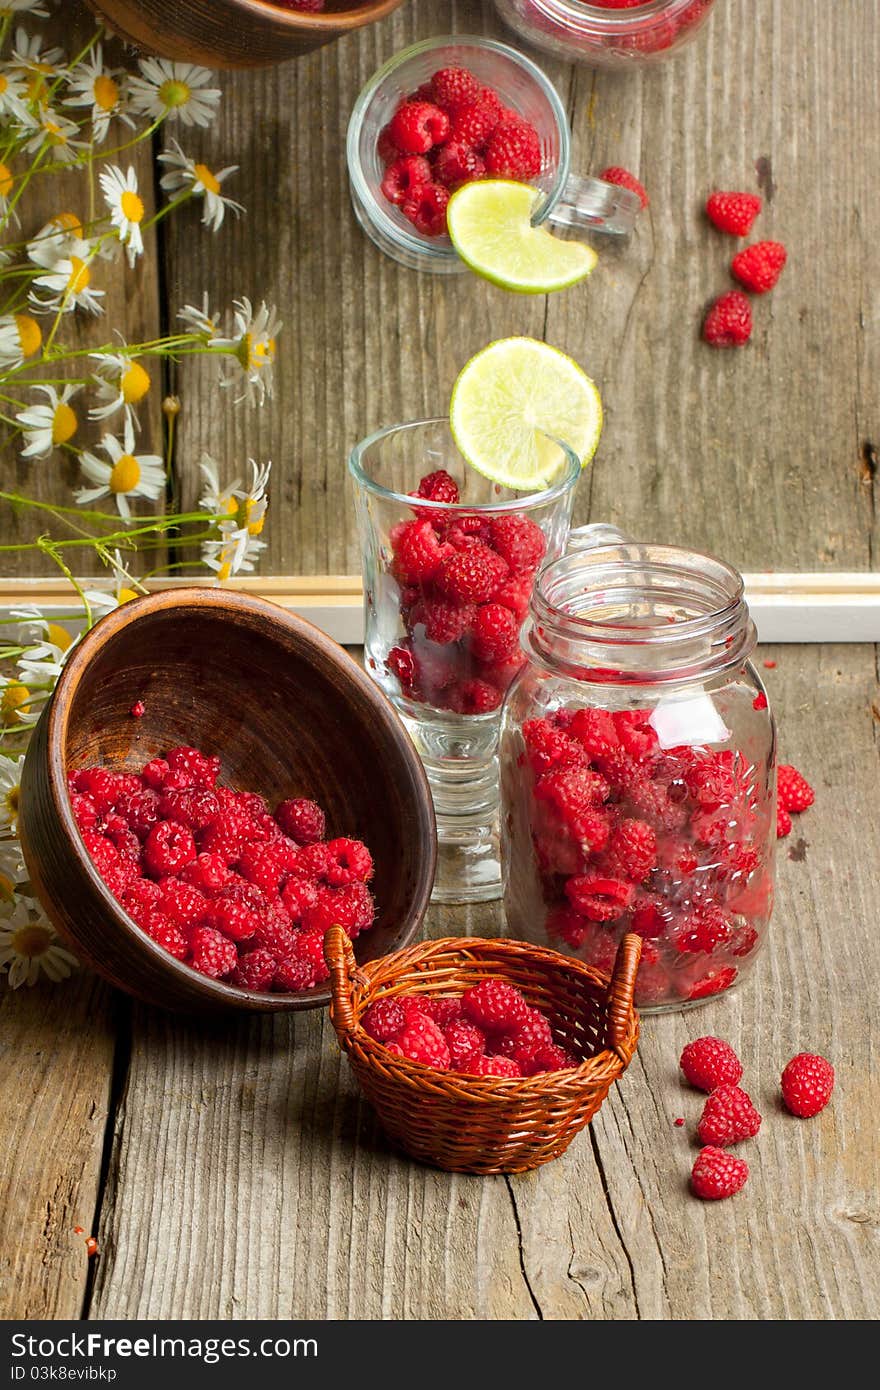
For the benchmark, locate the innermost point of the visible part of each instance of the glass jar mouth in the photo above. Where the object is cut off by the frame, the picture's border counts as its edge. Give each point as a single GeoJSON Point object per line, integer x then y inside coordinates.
{"type": "Point", "coordinates": [411, 243]}
{"type": "Point", "coordinates": [614, 22]}
{"type": "Point", "coordinates": [569, 474]}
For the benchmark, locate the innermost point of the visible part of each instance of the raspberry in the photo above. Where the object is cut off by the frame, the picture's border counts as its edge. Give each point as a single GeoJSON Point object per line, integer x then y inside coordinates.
{"type": "Point", "coordinates": [226, 836]}
{"type": "Point", "coordinates": [417, 552]}
{"type": "Point", "coordinates": [169, 848]}
{"type": "Point", "coordinates": [494, 1066]}
{"type": "Point", "coordinates": [624, 179]}
{"type": "Point", "coordinates": [527, 1043]}
{"type": "Point", "coordinates": [255, 970]}
{"type": "Point", "coordinates": [743, 941]}
{"type": "Point", "coordinates": [100, 784]}
{"type": "Point", "coordinates": [715, 982]}
{"type": "Point", "coordinates": [793, 790]}
{"type": "Point", "coordinates": [733, 212]}
{"type": "Point", "coordinates": [472, 125]}
{"type": "Point", "coordinates": [85, 812]}
{"type": "Point", "coordinates": [465, 530]}
{"type": "Point", "coordinates": [728, 1117]}
{"type": "Point", "coordinates": [549, 747]}
{"type": "Point", "coordinates": [495, 632]}
{"type": "Point", "coordinates": [650, 917]}
{"type": "Point", "coordinates": [155, 773]}
{"type": "Point", "coordinates": [401, 663]}
{"type": "Point", "coordinates": [472, 575]}
{"type": "Point", "coordinates": [709, 1062]}
{"type": "Point", "coordinates": [266, 865]}
{"type": "Point", "coordinates": [571, 791]}
{"type": "Point", "coordinates": [457, 164]}
{"type": "Point", "coordinates": [717, 1174]}
{"type": "Point", "coordinates": [385, 146]}
{"type": "Point", "coordinates": [350, 907]}
{"type": "Point", "coordinates": [478, 697]}
{"type": "Point", "coordinates": [422, 1041]}
{"type": "Point", "coordinates": [293, 975]}
{"type": "Point", "coordinates": [515, 593]}
{"type": "Point", "coordinates": [276, 934]}
{"type": "Point", "coordinates": [236, 920]}
{"type": "Point", "coordinates": [443, 621]}
{"type": "Point", "coordinates": [425, 208]}
{"type": "Point", "coordinates": [728, 322]}
{"type": "Point", "coordinates": [495, 1006]}
{"type": "Point", "coordinates": [348, 861]}
{"type": "Point", "coordinates": [404, 177]}
{"type": "Point", "coordinates": [442, 1009]}
{"type": "Point", "coordinates": [193, 807]}
{"type": "Point", "coordinates": [102, 852]}
{"type": "Point", "coordinates": [212, 954]}
{"type": "Point", "coordinates": [466, 1043]}
{"type": "Point", "coordinates": [141, 897]}
{"type": "Point", "coordinates": [140, 809]}
{"type": "Point", "coordinates": [207, 872]}
{"type": "Point", "coordinates": [200, 770]}
{"type": "Point", "coordinates": [518, 540]}
{"type": "Point", "coordinates": [417, 126]}
{"type": "Point", "coordinates": [302, 820]}
{"type": "Point", "coordinates": [634, 847]}
{"type": "Point", "coordinates": [759, 267]}
{"type": "Point", "coordinates": [384, 1020]}
{"type": "Point", "coordinates": [513, 151]}
{"type": "Point", "coordinates": [311, 862]}
{"type": "Point", "coordinates": [783, 822]}
{"type": "Point", "coordinates": [251, 805]}
{"type": "Point", "coordinates": [595, 731]}
{"type": "Point", "coordinates": [438, 486]}
{"type": "Point", "coordinates": [454, 87]}
{"type": "Point", "coordinates": [702, 931]}
{"type": "Point", "coordinates": [299, 895]}
{"type": "Point", "coordinates": [181, 902]}
{"type": "Point", "coordinates": [807, 1083]}
{"type": "Point", "coordinates": [165, 933]}
{"type": "Point", "coordinates": [599, 899]}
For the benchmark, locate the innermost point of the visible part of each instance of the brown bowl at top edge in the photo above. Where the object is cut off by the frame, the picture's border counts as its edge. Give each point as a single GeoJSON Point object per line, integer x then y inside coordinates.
{"type": "Point", "coordinates": [350, 750]}
{"type": "Point", "coordinates": [231, 33]}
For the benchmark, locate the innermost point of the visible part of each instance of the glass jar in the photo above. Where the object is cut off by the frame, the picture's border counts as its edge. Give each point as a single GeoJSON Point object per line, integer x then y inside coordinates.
{"type": "Point", "coordinates": [603, 36]}
{"type": "Point", "coordinates": [638, 770]}
{"type": "Point", "coordinates": [568, 200]}
{"type": "Point", "coordinates": [442, 638]}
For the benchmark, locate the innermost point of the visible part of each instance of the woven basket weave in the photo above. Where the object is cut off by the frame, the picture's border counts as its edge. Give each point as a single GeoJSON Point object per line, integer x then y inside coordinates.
{"type": "Point", "coordinates": [481, 1124]}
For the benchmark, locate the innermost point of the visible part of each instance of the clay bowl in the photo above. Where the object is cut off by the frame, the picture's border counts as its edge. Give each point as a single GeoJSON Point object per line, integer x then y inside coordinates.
{"type": "Point", "coordinates": [233, 33]}
{"type": "Point", "coordinates": [287, 711]}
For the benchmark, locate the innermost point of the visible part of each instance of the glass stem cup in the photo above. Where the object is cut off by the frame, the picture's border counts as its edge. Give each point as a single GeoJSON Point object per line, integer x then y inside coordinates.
{"type": "Point", "coordinates": [638, 770]}
{"type": "Point", "coordinates": [568, 200]}
{"type": "Point", "coordinates": [601, 37]}
{"type": "Point", "coordinates": [446, 588]}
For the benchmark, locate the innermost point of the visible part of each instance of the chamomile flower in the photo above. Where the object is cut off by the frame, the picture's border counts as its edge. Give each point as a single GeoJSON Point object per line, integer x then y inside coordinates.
{"type": "Point", "coordinates": [15, 704]}
{"type": "Point", "coordinates": [35, 62]}
{"type": "Point", "coordinates": [10, 791]}
{"type": "Point", "coordinates": [123, 590]}
{"type": "Point", "coordinates": [20, 338]}
{"type": "Point", "coordinates": [220, 501]}
{"type": "Point", "coordinates": [69, 284]}
{"type": "Point", "coordinates": [176, 91]}
{"type": "Point", "coordinates": [252, 351]}
{"type": "Point", "coordinates": [13, 871]}
{"type": "Point", "coordinates": [57, 239]}
{"type": "Point", "coordinates": [58, 135]}
{"type": "Point", "coordinates": [126, 475]}
{"type": "Point", "coordinates": [121, 382]}
{"type": "Point", "coordinates": [10, 7]}
{"type": "Point", "coordinates": [7, 184]}
{"type": "Point", "coordinates": [235, 553]}
{"type": "Point", "coordinates": [200, 321]}
{"type": "Point", "coordinates": [46, 426]}
{"type": "Point", "coordinates": [126, 207]}
{"type": "Point", "coordinates": [41, 664]}
{"type": "Point", "coordinates": [42, 629]}
{"type": "Point", "coordinates": [92, 84]}
{"type": "Point", "coordinates": [184, 172]}
{"type": "Point", "coordinates": [29, 947]}
{"type": "Point", "coordinates": [13, 96]}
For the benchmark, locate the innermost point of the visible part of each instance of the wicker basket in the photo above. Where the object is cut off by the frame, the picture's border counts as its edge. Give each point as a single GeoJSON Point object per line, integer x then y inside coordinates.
{"type": "Point", "coordinates": [478, 1124]}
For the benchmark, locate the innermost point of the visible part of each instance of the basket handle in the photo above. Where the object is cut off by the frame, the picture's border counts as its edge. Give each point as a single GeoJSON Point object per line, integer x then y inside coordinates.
{"type": "Point", "coordinates": [344, 973]}
{"type": "Point", "coordinates": [621, 990]}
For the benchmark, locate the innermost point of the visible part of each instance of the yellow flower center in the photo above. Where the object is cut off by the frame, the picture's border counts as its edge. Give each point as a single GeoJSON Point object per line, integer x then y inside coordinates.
{"type": "Point", "coordinates": [126, 474]}
{"type": "Point", "coordinates": [54, 133]}
{"type": "Point", "coordinates": [58, 636]}
{"type": "Point", "coordinates": [32, 940]}
{"type": "Point", "coordinates": [105, 91]}
{"type": "Point", "coordinates": [64, 423]}
{"type": "Point", "coordinates": [6, 181]}
{"type": "Point", "coordinates": [132, 205]}
{"type": "Point", "coordinates": [67, 222]}
{"type": "Point", "coordinates": [224, 571]}
{"type": "Point", "coordinates": [3, 83]}
{"type": "Point", "coordinates": [37, 91]}
{"type": "Point", "coordinates": [30, 335]}
{"type": "Point", "coordinates": [80, 276]}
{"type": "Point", "coordinates": [134, 383]}
{"type": "Point", "coordinates": [13, 702]}
{"type": "Point", "coordinates": [12, 798]}
{"type": "Point", "coordinates": [7, 888]}
{"type": "Point", "coordinates": [255, 526]}
{"type": "Point", "coordinates": [125, 595]}
{"type": "Point", "coordinates": [173, 93]}
{"type": "Point", "coordinates": [257, 352]}
{"type": "Point", "coordinates": [207, 179]}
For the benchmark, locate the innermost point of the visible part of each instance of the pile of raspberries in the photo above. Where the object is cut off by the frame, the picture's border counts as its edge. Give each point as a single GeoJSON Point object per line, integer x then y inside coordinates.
{"type": "Point", "coordinates": [465, 583]}
{"type": "Point", "coordinates": [217, 881]}
{"type": "Point", "coordinates": [671, 844]}
{"type": "Point", "coordinates": [490, 1030]}
{"type": "Point", "coordinates": [449, 132]}
{"type": "Point", "coordinates": [729, 1117]}
{"type": "Point", "coordinates": [728, 322]}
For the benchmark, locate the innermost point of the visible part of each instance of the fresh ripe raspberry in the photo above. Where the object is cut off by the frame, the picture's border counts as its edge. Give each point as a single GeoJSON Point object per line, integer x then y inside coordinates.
{"type": "Point", "coordinates": [195, 807]}
{"type": "Point", "coordinates": [155, 772]}
{"type": "Point", "coordinates": [709, 1062]}
{"type": "Point", "coordinates": [624, 179]}
{"type": "Point", "coordinates": [85, 812]}
{"type": "Point", "coordinates": [438, 486]}
{"type": "Point", "coordinates": [457, 164]}
{"type": "Point", "coordinates": [743, 941]}
{"type": "Point", "coordinates": [417, 552]}
{"type": "Point", "coordinates": [564, 924]}
{"type": "Point", "coordinates": [495, 1006]}
{"type": "Point", "coordinates": [255, 970]}
{"type": "Point", "coordinates": [350, 907]}
{"type": "Point", "coordinates": [417, 126]}
{"type": "Point", "coordinates": [759, 267]}
{"type": "Point", "coordinates": [733, 212]}
{"type": "Point", "coordinates": [728, 1117]}
{"type": "Point", "coordinates": [495, 632]}
{"type": "Point", "coordinates": [729, 320]}
{"type": "Point", "coordinates": [478, 697]}
{"type": "Point", "coordinates": [266, 865]}
{"type": "Point", "coordinates": [513, 151]}
{"type": "Point", "coordinates": [236, 920]}
{"type": "Point", "coordinates": [100, 784]}
{"type": "Point", "coordinates": [227, 836]}
{"type": "Point", "coordinates": [807, 1083]}
{"type": "Point", "coordinates": [422, 1041]}
{"type": "Point", "coordinates": [311, 862]}
{"type": "Point", "coordinates": [715, 982]}
{"type": "Point", "coordinates": [212, 953]}
{"type": "Point", "coordinates": [301, 819]}
{"type": "Point", "coordinates": [299, 895]}
{"type": "Point", "coordinates": [201, 770]}
{"type": "Point", "coordinates": [275, 933]}
{"type": "Point", "coordinates": [518, 540]}
{"type": "Point", "coordinates": [465, 530]}
{"type": "Point", "coordinates": [599, 899]}
{"type": "Point", "coordinates": [635, 733]}
{"type": "Point", "coordinates": [404, 177]}
{"type": "Point", "coordinates": [783, 821]}
{"type": "Point", "coordinates": [472, 575]}
{"type": "Point", "coordinates": [140, 897]}
{"type": "Point", "coordinates": [385, 146]}
{"type": "Point", "coordinates": [651, 917]}
{"type": "Point", "coordinates": [169, 848]}
{"type": "Point", "coordinates": [633, 846]}
{"type": "Point", "coordinates": [472, 125]}
{"type": "Point", "coordinates": [454, 87]}
{"type": "Point", "coordinates": [401, 663]}
{"type": "Point", "coordinates": [141, 810]}
{"type": "Point", "coordinates": [348, 861]}
{"type": "Point", "coordinates": [384, 1020]}
{"type": "Point", "coordinates": [717, 1174]}
{"type": "Point", "coordinates": [466, 1043]}
{"type": "Point", "coordinates": [183, 903]}
{"type": "Point", "coordinates": [425, 208]}
{"type": "Point", "coordinates": [527, 1044]}
{"type": "Point", "coordinates": [442, 1008]}
{"type": "Point", "coordinates": [165, 933]}
{"type": "Point", "coordinates": [515, 593]}
{"type": "Point", "coordinates": [794, 791]}
{"type": "Point", "coordinates": [702, 931]}
{"type": "Point", "coordinates": [548, 747]}
{"type": "Point", "coordinates": [252, 805]}
{"type": "Point", "coordinates": [444, 621]}
{"type": "Point", "coordinates": [594, 729]}
{"type": "Point", "coordinates": [102, 852]}
{"type": "Point", "coordinates": [293, 975]}
{"type": "Point", "coordinates": [504, 1067]}
{"type": "Point", "coordinates": [207, 872]}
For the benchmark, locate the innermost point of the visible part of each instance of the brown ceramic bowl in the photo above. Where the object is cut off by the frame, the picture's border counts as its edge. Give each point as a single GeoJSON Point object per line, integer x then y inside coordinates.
{"type": "Point", "coordinates": [233, 33]}
{"type": "Point", "coordinates": [287, 711]}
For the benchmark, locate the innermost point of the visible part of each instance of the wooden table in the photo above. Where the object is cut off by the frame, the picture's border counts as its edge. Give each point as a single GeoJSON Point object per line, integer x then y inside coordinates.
{"type": "Point", "coordinates": [232, 1171]}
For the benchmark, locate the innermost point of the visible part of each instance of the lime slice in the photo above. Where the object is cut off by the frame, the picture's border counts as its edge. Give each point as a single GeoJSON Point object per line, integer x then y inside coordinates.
{"type": "Point", "coordinates": [510, 405]}
{"type": "Point", "coordinates": [490, 226]}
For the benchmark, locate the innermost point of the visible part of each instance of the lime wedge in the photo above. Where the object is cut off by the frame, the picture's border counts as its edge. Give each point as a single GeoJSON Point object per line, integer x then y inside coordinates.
{"type": "Point", "coordinates": [510, 405]}
{"type": "Point", "coordinates": [490, 227]}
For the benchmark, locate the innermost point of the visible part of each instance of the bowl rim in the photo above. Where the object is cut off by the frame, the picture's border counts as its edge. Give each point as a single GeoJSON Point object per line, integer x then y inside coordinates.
{"type": "Point", "coordinates": [322, 23]}
{"type": "Point", "coordinates": [245, 606]}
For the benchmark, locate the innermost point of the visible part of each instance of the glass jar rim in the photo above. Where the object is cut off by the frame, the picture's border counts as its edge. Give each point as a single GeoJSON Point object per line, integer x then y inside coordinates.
{"type": "Point", "coordinates": [411, 241]}
{"type": "Point", "coordinates": [514, 504]}
{"type": "Point", "coordinates": [613, 21]}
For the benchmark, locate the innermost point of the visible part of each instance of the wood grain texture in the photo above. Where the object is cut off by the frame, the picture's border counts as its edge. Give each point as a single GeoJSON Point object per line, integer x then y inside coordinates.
{"type": "Point", "coordinates": [248, 1179]}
